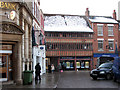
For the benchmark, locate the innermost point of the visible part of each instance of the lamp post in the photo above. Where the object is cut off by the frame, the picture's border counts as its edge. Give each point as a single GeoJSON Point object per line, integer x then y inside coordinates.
{"type": "Point", "coordinates": [40, 38]}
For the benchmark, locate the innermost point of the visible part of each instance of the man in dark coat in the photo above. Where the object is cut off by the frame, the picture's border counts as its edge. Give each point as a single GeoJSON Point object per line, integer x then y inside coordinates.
{"type": "Point", "coordinates": [37, 71]}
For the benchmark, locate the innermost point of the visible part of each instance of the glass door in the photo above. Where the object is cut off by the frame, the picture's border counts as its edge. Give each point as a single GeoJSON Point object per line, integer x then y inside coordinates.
{"type": "Point", "coordinates": [4, 67]}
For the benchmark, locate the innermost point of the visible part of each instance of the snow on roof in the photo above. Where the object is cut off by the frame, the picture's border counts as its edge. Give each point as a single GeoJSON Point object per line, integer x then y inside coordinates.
{"type": "Point", "coordinates": [66, 24]}
{"type": "Point", "coordinates": [103, 20]}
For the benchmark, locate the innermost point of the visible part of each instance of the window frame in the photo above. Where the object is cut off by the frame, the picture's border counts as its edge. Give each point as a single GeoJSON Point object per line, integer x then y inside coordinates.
{"type": "Point", "coordinates": [109, 42]}
{"type": "Point", "coordinates": [109, 30]}
{"type": "Point", "coordinates": [102, 49]}
{"type": "Point", "coordinates": [100, 30]}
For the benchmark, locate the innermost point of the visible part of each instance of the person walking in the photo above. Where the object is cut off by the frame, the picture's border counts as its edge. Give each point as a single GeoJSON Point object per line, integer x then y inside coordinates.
{"type": "Point", "coordinates": [37, 71]}
{"type": "Point", "coordinates": [52, 68]}
{"type": "Point", "coordinates": [60, 67]}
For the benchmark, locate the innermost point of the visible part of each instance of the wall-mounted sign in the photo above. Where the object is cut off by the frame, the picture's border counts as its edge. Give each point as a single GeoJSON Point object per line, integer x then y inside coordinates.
{"type": "Point", "coordinates": [8, 5]}
{"type": "Point", "coordinates": [12, 15]}
{"type": "Point", "coordinates": [41, 48]}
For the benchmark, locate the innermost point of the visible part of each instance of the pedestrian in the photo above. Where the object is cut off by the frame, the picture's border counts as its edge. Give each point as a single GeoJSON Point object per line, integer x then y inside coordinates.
{"type": "Point", "coordinates": [60, 67]}
{"type": "Point", "coordinates": [49, 68]}
{"type": "Point", "coordinates": [52, 68]}
{"type": "Point", "coordinates": [37, 71]}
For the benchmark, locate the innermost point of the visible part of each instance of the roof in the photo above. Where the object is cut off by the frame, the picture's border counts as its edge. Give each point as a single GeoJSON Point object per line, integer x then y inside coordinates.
{"type": "Point", "coordinates": [103, 20]}
{"type": "Point", "coordinates": [66, 23]}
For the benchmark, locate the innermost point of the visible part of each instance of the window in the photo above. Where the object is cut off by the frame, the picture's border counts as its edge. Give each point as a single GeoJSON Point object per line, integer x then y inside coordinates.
{"type": "Point", "coordinates": [100, 30]}
{"type": "Point", "coordinates": [111, 45]}
{"type": "Point", "coordinates": [110, 30]}
{"type": "Point", "coordinates": [100, 45]}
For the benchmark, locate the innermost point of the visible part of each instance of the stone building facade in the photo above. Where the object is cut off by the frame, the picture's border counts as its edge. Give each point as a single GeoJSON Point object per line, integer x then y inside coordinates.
{"type": "Point", "coordinates": [15, 40]}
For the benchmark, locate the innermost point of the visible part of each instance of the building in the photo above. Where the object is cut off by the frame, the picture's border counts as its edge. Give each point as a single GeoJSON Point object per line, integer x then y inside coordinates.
{"type": "Point", "coordinates": [105, 41]}
{"type": "Point", "coordinates": [39, 37]}
{"type": "Point", "coordinates": [119, 26]}
{"type": "Point", "coordinates": [15, 40]}
{"type": "Point", "coordinates": [68, 41]}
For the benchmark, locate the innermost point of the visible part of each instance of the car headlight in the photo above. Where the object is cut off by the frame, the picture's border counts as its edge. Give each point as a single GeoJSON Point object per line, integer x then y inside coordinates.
{"type": "Point", "coordinates": [102, 72]}
{"type": "Point", "coordinates": [91, 72]}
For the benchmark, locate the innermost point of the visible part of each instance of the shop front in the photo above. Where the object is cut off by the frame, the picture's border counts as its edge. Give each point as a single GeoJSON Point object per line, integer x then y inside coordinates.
{"type": "Point", "coordinates": [10, 52]}
{"type": "Point", "coordinates": [102, 58]}
{"type": "Point", "coordinates": [6, 63]}
{"type": "Point", "coordinates": [75, 63]}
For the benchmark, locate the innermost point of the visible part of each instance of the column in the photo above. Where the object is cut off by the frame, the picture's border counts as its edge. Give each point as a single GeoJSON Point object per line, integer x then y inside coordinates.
{"type": "Point", "coordinates": [26, 45]}
{"type": "Point", "coordinates": [30, 45]}
{"type": "Point", "coordinates": [34, 61]}
{"type": "Point", "coordinates": [19, 65]}
{"type": "Point", "coordinates": [75, 64]}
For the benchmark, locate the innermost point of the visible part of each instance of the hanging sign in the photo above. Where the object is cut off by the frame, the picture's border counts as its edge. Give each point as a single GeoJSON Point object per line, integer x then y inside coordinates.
{"type": "Point", "coordinates": [12, 15]}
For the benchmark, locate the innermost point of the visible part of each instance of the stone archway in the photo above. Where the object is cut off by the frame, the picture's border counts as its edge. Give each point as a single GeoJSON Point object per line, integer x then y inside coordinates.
{"type": "Point", "coordinates": [10, 33]}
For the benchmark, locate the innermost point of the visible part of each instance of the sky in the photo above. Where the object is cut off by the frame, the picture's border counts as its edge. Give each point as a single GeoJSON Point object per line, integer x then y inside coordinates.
{"type": "Point", "coordinates": [78, 7]}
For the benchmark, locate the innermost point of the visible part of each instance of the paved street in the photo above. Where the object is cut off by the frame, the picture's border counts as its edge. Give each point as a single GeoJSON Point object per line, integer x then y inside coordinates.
{"type": "Point", "coordinates": [83, 80]}
{"type": "Point", "coordinates": [68, 79]}
{"type": "Point", "coordinates": [49, 80]}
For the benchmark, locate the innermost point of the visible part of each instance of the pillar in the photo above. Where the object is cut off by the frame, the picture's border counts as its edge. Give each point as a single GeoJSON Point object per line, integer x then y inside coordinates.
{"type": "Point", "coordinates": [75, 64]}
{"type": "Point", "coordinates": [26, 45]}
{"type": "Point", "coordinates": [19, 65]}
{"type": "Point", "coordinates": [30, 46]}
{"type": "Point", "coordinates": [34, 61]}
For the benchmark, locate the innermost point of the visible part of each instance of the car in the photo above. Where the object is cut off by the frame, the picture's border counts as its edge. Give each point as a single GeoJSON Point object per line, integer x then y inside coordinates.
{"type": "Point", "coordinates": [103, 71]}
{"type": "Point", "coordinates": [116, 69]}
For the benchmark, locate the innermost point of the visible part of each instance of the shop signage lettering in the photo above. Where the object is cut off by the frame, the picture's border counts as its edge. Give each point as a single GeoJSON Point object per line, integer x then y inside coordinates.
{"type": "Point", "coordinates": [8, 5]}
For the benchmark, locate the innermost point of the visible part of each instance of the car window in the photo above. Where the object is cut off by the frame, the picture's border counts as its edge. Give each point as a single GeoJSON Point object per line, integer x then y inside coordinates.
{"type": "Point", "coordinates": [106, 65]}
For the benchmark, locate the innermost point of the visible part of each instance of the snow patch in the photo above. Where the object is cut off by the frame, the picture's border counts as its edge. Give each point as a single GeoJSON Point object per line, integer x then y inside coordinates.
{"type": "Point", "coordinates": [66, 24]}
{"type": "Point", "coordinates": [103, 20]}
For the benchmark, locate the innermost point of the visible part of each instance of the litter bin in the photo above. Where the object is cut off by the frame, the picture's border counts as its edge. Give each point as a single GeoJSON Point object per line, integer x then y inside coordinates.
{"type": "Point", "coordinates": [27, 77]}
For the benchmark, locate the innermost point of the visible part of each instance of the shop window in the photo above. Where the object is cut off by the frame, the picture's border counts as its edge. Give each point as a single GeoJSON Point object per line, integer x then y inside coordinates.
{"type": "Point", "coordinates": [82, 64]}
{"type": "Point", "coordinates": [77, 64]}
{"type": "Point", "coordinates": [86, 64]}
{"type": "Point", "coordinates": [67, 65]}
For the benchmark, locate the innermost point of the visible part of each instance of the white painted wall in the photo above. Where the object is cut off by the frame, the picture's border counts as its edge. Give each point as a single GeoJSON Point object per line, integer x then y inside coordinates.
{"type": "Point", "coordinates": [39, 56]}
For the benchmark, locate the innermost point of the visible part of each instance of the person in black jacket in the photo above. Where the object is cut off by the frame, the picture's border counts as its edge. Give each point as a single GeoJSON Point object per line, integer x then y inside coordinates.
{"type": "Point", "coordinates": [37, 71]}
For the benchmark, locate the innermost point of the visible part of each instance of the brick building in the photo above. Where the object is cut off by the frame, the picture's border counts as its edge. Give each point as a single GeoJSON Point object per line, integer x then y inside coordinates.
{"type": "Point", "coordinates": [68, 41]}
{"type": "Point", "coordinates": [66, 45]}
{"type": "Point", "coordinates": [105, 39]}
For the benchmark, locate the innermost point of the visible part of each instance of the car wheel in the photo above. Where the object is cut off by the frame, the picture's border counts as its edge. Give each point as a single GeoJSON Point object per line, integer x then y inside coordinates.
{"type": "Point", "coordinates": [108, 76]}
{"type": "Point", "coordinates": [95, 78]}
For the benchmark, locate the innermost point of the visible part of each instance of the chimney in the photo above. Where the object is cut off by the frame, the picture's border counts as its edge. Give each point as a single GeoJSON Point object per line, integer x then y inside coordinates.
{"type": "Point", "coordinates": [87, 12]}
{"type": "Point", "coordinates": [114, 14]}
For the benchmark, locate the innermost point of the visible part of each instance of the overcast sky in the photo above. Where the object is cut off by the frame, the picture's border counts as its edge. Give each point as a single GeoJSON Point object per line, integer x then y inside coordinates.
{"type": "Point", "coordinates": [78, 7]}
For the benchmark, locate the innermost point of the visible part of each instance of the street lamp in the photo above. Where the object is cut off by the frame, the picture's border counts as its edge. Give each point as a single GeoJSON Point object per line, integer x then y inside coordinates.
{"type": "Point", "coordinates": [41, 36]}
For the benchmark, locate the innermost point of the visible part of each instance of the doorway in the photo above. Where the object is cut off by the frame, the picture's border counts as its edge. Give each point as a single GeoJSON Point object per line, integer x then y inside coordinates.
{"type": "Point", "coordinates": [5, 67]}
